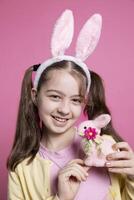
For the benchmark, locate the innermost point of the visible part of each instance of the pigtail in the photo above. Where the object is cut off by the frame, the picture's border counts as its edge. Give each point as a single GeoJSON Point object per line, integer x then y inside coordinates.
{"type": "Point", "coordinates": [28, 134]}
{"type": "Point", "coordinates": [96, 105]}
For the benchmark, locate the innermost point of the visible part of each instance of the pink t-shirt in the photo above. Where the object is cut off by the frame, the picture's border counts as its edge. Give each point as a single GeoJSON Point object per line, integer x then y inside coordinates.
{"type": "Point", "coordinates": [97, 184]}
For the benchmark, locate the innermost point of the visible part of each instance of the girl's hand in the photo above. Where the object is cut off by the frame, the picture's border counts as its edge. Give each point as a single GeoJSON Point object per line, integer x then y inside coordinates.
{"type": "Point", "coordinates": [69, 179]}
{"type": "Point", "coordinates": [121, 161]}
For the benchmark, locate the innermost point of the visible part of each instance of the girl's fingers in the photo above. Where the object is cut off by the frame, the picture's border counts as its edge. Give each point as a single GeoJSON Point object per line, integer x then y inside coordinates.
{"type": "Point", "coordinates": [119, 170]}
{"type": "Point", "coordinates": [67, 174]}
{"type": "Point", "coordinates": [122, 146]}
{"type": "Point", "coordinates": [78, 161]}
{"type": "Point", "coordinates": [120, 155]}
{"type": "Point", "coordinates": [127, 171]}
{"type": "Point", "coordinates": [121, 161]}
{"type": "Point", "coordinates": [71, 171]}
{"type": "Point", "coordinates": [80, 168]}
{"type": "Point", "coordinates": [120, 164]}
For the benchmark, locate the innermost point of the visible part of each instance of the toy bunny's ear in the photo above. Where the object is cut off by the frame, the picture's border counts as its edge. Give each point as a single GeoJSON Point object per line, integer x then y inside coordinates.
{"type": "Point", "coordinates": [88, 37]}
{"type": "Point", "coordinates": [102, 120]}
{"type": "Point", "coordinates": [62, 34]}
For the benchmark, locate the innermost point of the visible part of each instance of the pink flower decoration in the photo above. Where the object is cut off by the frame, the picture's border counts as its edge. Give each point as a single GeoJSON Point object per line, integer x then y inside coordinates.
{"type": "Point", "coordinates": [90, 133]}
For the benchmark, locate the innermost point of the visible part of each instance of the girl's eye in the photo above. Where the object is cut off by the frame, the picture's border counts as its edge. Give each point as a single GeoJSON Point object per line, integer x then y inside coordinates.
{"type": "Point", "coordinates": [76, 101]}
{"type": "Point", "coordinates": [55, 97]}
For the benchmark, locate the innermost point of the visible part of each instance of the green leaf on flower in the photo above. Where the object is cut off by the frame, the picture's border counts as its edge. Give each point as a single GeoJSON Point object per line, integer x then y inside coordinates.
{"type": "Point", "coordinates": [90, 142]}
{"type": "Point", "coordinates": [97, 141]}
{"type": "Point", "coordinates": [81, 134]}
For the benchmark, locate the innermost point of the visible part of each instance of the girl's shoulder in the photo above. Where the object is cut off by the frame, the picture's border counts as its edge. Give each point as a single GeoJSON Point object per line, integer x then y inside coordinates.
{"type": "Point", "coordinates": [37, 162]}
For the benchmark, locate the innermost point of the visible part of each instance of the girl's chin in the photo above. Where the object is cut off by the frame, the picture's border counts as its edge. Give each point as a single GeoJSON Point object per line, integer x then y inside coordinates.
{"type": "Point", "coordinates": [60, 129]}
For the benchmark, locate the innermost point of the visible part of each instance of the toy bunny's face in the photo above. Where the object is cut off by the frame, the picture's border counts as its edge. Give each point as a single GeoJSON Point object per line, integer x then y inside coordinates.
{"type": "Point", "coordinates": [88, 130]}
{"type": "Point", "coordinates": [91, 128]}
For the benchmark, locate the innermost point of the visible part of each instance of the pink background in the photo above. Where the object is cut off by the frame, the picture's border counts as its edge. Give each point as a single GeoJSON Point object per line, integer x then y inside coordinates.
{"type": "Point", "coordinates": [25, 29]}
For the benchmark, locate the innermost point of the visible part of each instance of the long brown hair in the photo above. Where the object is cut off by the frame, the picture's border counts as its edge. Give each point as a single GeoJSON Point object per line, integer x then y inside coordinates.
{"type": "Point", "coordinates": [28, 130]}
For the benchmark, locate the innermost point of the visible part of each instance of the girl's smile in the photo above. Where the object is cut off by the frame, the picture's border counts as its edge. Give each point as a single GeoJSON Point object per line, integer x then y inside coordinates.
{"type": "Point", "coordinates": [58, 121]}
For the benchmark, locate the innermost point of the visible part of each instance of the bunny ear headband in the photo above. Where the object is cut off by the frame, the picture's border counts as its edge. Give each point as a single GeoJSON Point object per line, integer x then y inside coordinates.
{"type": "Point", "coordinates": [62, 38]}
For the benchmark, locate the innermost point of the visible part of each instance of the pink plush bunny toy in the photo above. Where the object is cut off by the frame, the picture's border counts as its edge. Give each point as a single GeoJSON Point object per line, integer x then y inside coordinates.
{"type": "Point", "coordinates": [95, 146]}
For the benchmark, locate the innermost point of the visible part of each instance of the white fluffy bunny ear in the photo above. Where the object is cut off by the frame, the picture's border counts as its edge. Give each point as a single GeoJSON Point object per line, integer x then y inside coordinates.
{"type": "Point", "coordinates": [63, 33]}
{"type": "Point", "coordinates": [102, 120]}
{"type": "Point", "coordinates": [88, 37]}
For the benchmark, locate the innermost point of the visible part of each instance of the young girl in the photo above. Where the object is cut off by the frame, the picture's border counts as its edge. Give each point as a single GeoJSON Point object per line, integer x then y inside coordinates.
{"type": "Point", "coordinates": [46, 161]}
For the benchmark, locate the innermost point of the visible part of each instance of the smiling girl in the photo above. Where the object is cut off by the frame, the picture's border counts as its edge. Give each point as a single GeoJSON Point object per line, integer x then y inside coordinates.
{"type": "Point", "coordinates": [46, 161]}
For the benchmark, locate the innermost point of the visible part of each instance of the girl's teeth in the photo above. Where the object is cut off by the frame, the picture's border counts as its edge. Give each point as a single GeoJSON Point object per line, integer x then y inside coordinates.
{"type": "Point", "coordinates": [60, 120]}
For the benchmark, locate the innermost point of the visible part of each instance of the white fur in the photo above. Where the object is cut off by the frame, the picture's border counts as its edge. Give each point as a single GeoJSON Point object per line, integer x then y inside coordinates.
{"type": "Point", "coordinates": [62, 34]}
{"type": "Point", "coordinates": [88, 37]}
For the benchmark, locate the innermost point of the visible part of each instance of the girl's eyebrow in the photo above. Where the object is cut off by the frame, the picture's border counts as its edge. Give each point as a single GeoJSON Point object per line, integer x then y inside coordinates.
{"type": "Point", "coordinates": [57, 91]}
{"type": "Point", "coordinates": [61, 93]}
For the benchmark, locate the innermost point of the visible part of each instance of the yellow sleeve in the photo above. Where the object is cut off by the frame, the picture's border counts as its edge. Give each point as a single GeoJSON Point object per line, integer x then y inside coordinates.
{"type": "Point", "coordinates": [15, 191]}
{"type": "Point", "coordinates": [127, 188]}
{"type": "Point", "coordinates": [14, 187]}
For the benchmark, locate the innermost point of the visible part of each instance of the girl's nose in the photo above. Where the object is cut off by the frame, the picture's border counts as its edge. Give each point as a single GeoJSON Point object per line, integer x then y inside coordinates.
{"type": "Point", "coordinates": [64, 107]}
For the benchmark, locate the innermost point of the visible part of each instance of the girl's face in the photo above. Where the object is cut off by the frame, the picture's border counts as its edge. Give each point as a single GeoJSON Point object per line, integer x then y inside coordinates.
{"type": "Point", "coordinates": [59, 102]}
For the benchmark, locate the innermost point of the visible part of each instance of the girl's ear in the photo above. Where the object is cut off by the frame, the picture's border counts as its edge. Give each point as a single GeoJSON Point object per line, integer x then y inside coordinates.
{"type": "Point", "coordinates": [34, 96]}
{"type": "Point", "coordinates": [102, 120]}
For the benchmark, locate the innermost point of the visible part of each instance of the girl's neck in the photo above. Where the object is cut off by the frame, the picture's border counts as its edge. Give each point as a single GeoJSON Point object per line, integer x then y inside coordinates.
{"type": "Point", "coordinates": [57, 142]}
